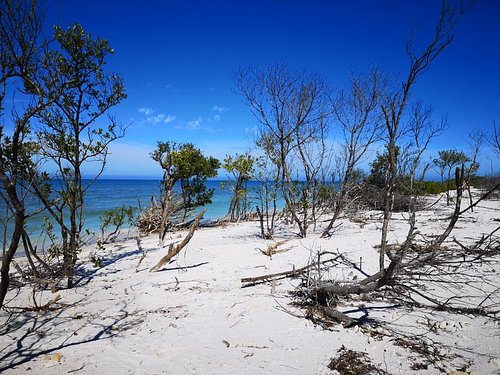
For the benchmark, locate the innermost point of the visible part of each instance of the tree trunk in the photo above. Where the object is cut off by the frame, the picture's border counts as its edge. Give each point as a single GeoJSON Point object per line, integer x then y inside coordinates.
{"type": "Point", "coordinates": [336, 214]}
{"type": "Point", "coordinates": [388, 199]}
{"type": "Point", "coordinates": [19, 218]}
{"type": "Point", "coordinates": [459, 178]}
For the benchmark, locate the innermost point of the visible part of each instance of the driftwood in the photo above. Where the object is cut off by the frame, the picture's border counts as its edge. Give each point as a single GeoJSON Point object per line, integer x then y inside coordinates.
{"type": "Point", "coordinates": [150, 220]}
{"type": "Point", "coordinates": [273, 249]}
{"type": "Point", "coordinates": [350, 288]}
{"type": "Point", "coordinates": [338, 316]}
{"type": "Point", "coordinates": [251, 281]}
{"type": "Point", "coordinates": [144, 253]}
{"type": "Point", "coordinates": [173, 250]}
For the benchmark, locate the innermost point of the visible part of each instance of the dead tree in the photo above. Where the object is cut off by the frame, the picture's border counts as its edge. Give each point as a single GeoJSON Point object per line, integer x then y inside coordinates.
{"type": "Point", "coordinates": [292, 110]}
{"type": "Point", "coordinates": [358, 114]}
{"type": "Point", "coordinates": [394, 107]}
{"type": "Point", "coordinates": [420, 270]}
{"type": "Point", "coordinates": [267, 196]}
{"type": "Point", "coordinates": [419, 133]}
{"type": "Point", "coordinates": [476, 140]}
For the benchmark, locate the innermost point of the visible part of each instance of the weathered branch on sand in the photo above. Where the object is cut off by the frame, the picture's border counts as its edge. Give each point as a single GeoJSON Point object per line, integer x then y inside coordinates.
{"type": "Point", "coordinates": [173, 250]}
{"type": "Point", "coordinates": [273, 249]}
{"type": "Point", "coordinates": [144, 253]}
{"type": "Point", "coordinates": [349, 288]}
{"type": "Point", "coordinates": [251, 281]}
{"type": "Point", "coordinates": [484, 196]}
{"type": "Point", "coordinates": [338, 316]}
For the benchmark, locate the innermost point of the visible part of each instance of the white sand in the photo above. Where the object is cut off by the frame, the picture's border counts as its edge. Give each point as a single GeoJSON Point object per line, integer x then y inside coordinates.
{"type": "Point", "coordinates": [193, 317]}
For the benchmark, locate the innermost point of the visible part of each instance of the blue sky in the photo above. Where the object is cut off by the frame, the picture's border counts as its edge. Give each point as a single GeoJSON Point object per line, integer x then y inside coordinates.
{"type": "Point", "coordinates": [178, 57]}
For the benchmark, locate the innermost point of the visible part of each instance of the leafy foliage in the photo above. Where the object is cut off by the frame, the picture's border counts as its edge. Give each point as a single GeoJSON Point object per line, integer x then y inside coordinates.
{"type": "Point", "coordinates": [430, 187]}
{"type": "Point", "coordinates": [449, 159]}
{"type": "Point", "coordinates": [112, 221]}
{"type": "Point", "coordinates": [80, 92]}
{"type": "Point", "coordinates": [186, 164]}
{"type": "Point", "coordinates": [240, 165]}
{"type": "Point", "coordinates": [242, 168]}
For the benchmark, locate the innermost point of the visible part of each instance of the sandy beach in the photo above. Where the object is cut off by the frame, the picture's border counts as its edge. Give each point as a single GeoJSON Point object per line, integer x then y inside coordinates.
{"type": "Point", "coordinates": [194, 317]}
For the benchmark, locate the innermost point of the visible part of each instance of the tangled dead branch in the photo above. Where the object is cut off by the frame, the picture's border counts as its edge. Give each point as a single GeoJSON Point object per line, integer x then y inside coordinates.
{"type": "Point", "coordinates": [458, 278]}
{"type": "Point", "coordinates": [251, 281]}
{"type": "Point", "coordinates": [52, 305]}
{"type": "Point", "coordinates": [152, 219]}
{"type": "Point", "coordinates": [454, 280]}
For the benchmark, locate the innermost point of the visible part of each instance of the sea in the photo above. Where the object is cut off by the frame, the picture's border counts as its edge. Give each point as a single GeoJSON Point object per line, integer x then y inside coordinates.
{"type": "Point", "coordinates": [105, 194]}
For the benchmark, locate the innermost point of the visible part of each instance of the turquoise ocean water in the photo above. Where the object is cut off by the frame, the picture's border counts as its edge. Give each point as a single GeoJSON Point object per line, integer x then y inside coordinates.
{"type": "Point", "coordinates": [106, 194]}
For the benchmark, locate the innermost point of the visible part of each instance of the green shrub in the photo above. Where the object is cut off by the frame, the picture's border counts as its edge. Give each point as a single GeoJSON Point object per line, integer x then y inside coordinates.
{"type": "Point", "coordinates": [113, 220]}
{"type": "Point", "coordinates": [431, 187]}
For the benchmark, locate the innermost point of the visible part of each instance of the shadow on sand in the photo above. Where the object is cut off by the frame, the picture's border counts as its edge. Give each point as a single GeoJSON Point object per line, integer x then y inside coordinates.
{"type": "Point", "coordinates": [28, 335]}
{"type": "Point", "coordinates": [31, 335]}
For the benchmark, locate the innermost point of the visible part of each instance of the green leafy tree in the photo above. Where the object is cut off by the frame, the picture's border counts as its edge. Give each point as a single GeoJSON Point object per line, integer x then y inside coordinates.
{"type": "Point", "coordinates": [193, 170]}
{"type": "Point", "coordinates": [241, 168]}
{"type": "Point", "coordinates": [163, 156]}
{"type": "Point", "coordinates": [186, 165]}
{"type": "Point", "coordinates": [83, 92]}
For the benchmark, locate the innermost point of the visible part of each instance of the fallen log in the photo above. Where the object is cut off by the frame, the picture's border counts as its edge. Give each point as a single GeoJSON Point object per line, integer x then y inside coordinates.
{"type": "Point", "coordinates": [173, 250]}
{"type": "Point", "coordinates": [346, 321]}
{"type": "Point", "coordinates": [279, 275]}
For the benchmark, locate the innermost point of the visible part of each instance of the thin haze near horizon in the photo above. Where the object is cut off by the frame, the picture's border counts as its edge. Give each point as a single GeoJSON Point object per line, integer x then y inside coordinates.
{"type": "Point", "coordinates": [178, 59]}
